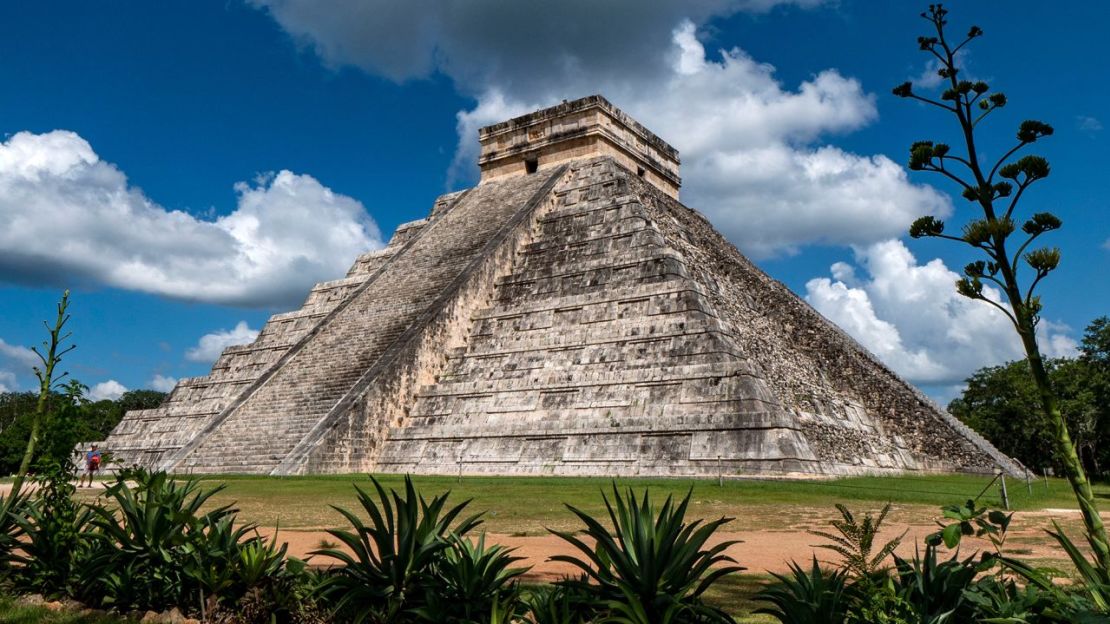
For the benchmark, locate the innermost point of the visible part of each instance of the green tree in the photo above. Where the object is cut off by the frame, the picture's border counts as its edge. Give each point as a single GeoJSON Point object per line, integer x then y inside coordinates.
{"type": "Point", "coordinates": [15, 405]}
{"type": "Point", "coordinates": [72, 419]}
{"type": "Point", "coordinates": [1095, 355]}
{"type": "Point", "coordinates": [995, 189]}
{"type": "Point", "coordinates": [64, 427]}
{"type": "Point", "coordinates": [1002, 403]}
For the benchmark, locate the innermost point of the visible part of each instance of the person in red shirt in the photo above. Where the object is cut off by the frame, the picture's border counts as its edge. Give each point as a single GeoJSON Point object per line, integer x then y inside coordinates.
{"type": "Point", "coordinates": [92, 464]}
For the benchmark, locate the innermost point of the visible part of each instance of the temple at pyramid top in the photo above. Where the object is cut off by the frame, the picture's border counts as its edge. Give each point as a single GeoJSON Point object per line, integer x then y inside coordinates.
{"type": "Point", "coordinates": [583, 128]}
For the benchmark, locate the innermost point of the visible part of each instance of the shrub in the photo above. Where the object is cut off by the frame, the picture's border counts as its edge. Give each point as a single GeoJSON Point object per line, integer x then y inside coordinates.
{"type": "Point", "coordinates": [11, 529]}
{"type": "Point", "coordinates": [471, 581]}
{"type": "Point", "coordinates": [816, 596]}
{"type": "Point", "coordinates": [561, 604]}
{"type": "Point", "coordinates": [142, 550]}
{"type": "Point", "coordinates": [855, 539]}
{"type": "Point", "coordinates": [394, 558]}
{"type": "Point", "coordinates": [929, 589]}
{"type": "Point", "coordinates": [655, 567]}
{"type": "Point", "coordinates": [157, 549]}
{"type": "Point", "coordinates": [54, 545]}
{"type": "Point", "coordinates": [278, 591]}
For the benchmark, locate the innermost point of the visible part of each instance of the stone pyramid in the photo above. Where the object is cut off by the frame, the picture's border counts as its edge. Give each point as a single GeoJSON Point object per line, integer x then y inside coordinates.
{"type": "Point", "coordinates": [566, 316]}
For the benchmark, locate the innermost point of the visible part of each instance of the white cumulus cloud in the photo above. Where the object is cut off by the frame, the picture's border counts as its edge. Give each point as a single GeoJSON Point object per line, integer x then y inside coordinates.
{"type": "Point", "coordinates": [163, 383]}
{"type": "Point", "coordinates": [911, 317]}
{"type": "Point", "coordinates": [752, 160]}
{"type": "Point", "coordinates": [106, 390]}
{"type": "Point", "coordinates": [211, 345]}
{"type": "Point", "coordinates": [18, 356]}
{"type": "Point", "coordinates": [72, 218]}
{"type": "Point", "coordinates": [15, 363]}
{"type": "Point", "coordinates": [753, 150]}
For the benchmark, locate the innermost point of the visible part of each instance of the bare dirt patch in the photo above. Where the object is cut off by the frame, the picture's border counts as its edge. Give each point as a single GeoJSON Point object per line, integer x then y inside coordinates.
{"type": "Point", "coordinates": [760, 550]}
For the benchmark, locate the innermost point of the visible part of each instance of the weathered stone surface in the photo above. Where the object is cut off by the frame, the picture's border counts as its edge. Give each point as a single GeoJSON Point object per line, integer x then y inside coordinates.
{"type": "Point", "coordinates": [574, 320]}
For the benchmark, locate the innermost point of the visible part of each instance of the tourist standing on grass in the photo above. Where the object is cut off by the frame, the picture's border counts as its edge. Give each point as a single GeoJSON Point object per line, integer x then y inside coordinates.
{"type": "Point", "coordinates": [92, 464]}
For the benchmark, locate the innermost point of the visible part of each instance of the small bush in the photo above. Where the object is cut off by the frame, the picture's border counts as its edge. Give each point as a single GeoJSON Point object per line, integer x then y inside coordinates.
{"type": "Point", "coordinates": [470, 581]}
{"type": "Point", "coordinates": [55, 544]}
{"type": "Point", "coordinates": [395, 557]}
{"type": "Point", "coordinates": [561, 604]}
{"type": "Point", "coordinates": [144, 552]}
{"type": "Point", "coordinates": [929, 589]}
{"type": "Point", "coordinates": [655, 566]}
{"type": "Point", "coordinates": [11, 529]}
{"type": "Point", "coordinates": [816, 596]}
{"type": "Point", "coordinates": [159, 550]}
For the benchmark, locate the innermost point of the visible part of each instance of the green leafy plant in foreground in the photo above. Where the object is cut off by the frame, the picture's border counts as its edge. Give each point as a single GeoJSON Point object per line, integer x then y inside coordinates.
{"type": "Point", "coordinates": [144, 551]}
{"type": "Point", "coordinates": [393, 556]}
{"type": "Point", "coordinates": [930, 589]}
{"type": "Point", "coordinates": [971, 520]}
{"type": "Point", "coordinates": [13, 510]}
{"type": "Point", "coordinates": [816, 596]}
{"type": "Point", "coordinates": [855, 540]}
{"type": "Point", "coordinates": [472, 581]}
{"type": "Point", "coordinates": [654, 566]}
{"type": "Point", "coordinates": [54, 543]}
{"type": "Point", "coordinates": [1091, 582]}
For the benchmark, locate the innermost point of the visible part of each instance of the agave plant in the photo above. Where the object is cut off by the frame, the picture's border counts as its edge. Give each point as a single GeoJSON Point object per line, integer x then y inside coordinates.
{"type": "Point", "coordinates": [656, 566]}
{"type": "Point", "coordinates": [855, 541]}
{"type": "Point", "coordinates": [470, 581]}
{"type": "Point", "coordinates": [11, 529]}
{"type": "Point", "coordinates": [561, 604]}
{"type": "Point", "coordinates": [259, 560]}
{"type": "Point", "coordinates": [268, 587]}
{"type": "Point", "coordinates": [213, 559]}
{"type": "Point", "coordinates": [937, 590]}
{"type": "Point", "coordinates": [143, 551]}
{"type": "Point", "coordinates": [816, 596]}
{"type": "Point", "coordinates": [53, 543]}
{"type": "Point", "coordinates": [393, 556]}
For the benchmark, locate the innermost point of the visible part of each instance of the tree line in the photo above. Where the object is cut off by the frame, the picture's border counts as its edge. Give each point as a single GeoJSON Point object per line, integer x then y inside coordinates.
{"type": "Point", "coordinates": [1003, 404]}
{"type": "Point", "coordinates": [71, 419]}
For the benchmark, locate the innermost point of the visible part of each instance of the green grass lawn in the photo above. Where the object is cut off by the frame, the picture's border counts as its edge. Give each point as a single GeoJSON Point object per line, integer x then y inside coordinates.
{"type": "Point", "coordinates": [527, 505]}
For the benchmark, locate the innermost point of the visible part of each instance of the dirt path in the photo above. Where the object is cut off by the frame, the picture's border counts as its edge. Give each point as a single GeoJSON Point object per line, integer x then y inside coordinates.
{"type": "Point", "coordinates": [760, 551]}
{"type": "Point", "coordinates": [30, 486]}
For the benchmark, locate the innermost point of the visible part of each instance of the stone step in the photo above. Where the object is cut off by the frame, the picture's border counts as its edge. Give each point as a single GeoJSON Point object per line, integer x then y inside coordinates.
{"type": "Point", "coordinates": [326, 368]}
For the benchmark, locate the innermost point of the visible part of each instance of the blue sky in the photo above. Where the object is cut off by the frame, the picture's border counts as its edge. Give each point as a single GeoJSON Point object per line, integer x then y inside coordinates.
{"type": "Point", "coordinates": [189, 169]}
